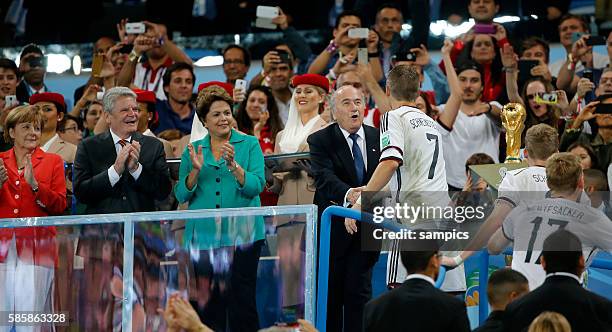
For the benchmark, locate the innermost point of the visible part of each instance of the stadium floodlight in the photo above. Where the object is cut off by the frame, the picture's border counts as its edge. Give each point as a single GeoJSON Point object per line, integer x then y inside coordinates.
{"type": "Point", "coordinates": [209, 61]}
{"type": "Point", "coordinates": [76, 64]}
{"type": "Point", "coordinates": [58, 63]}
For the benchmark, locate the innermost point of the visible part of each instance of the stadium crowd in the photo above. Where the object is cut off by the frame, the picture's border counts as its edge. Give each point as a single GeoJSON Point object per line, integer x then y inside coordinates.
{"type": "Point", "coordinates": [358, 110]}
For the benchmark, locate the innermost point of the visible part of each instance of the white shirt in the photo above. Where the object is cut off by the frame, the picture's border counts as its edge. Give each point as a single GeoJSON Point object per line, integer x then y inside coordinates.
{"type": "Point", "coordinates": [413, 138]}
{"type": "Point", "coordinates": [142, 77]}
{"type": "Point", "coordinates": [564, 274]}
{"type": "Point", "coordinates": [422, 277]}
{"type": "Point", "coordinates": [113, 176]}
{"type": "Point", "coordinates": [149, 133]}
{"type": "Point", "coordinates": [599, 61]}
{"type": "Point", "coordinates": [49, 143]}
{"type": "Point", "coordinates": [470, 134]}
{"type": "Point", "coordinates": [530, 224]}
{"type": "Point", "coordinates": [361, 144]}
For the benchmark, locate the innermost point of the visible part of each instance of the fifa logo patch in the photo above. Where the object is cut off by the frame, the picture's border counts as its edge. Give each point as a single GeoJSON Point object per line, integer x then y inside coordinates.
{"type": "Point", "coordinates": [385, 141]}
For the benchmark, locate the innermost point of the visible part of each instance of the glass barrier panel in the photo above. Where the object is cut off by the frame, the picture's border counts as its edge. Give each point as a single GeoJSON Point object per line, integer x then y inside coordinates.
{"type": "Point", "coordinates": [238, 268]}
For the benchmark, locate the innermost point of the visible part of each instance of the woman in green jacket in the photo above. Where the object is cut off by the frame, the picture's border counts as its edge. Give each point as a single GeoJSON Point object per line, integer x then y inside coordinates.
{"type": "Point", "coordinates": [225, 169]}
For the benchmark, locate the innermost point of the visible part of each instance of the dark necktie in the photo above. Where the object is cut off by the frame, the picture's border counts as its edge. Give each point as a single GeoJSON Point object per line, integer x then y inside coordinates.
{"type": "Point", "coordinates": [358, 159]}
{"type": "Point", "coordinates": [123, 142]}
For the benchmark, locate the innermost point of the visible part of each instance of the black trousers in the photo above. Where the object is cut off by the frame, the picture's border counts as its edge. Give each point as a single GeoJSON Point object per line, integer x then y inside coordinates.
{"type": "Point", "coordinates": [350, 285]}
{"type": "Point", "coordinates": [232, 307]}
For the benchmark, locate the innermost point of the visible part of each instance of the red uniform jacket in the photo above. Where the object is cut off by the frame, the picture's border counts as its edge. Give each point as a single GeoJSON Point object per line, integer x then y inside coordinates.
{"type": "Point", "coordinates": [17, 200]}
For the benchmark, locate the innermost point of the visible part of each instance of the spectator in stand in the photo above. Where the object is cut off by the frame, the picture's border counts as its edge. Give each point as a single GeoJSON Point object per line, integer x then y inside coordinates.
{"type": "Point", "coordinates": [121, 170]}
{"type": "Point", "coordinates": [562, 259]}
{"type": "Point", "coordinates": [173, 136]}
{"type": "Point", "coordinates": [160, 53]}
{"type": "Point", "coordinates": [475, 191]}
{"type": "Point", "coordinates": [277, 74]}
{"type": "Point", "coordinates": [483, 12]}
{"type": "Point", "coordinates": [177, 111]}
{"type": "Point", "coordinates": [550, 321]}
{"type": "Point", "coordinates": [600, 137]}
{"type": "Point", "coordinates": [101, 46]}
{"type": "Point", "coordinates": [482, 50]}
{"type": "Point", "coordinates": [476, 128]}
{"type": "Point", "coordinates": [534, 48]}
{"type": "Point", "coordinates": [236, 63]}
{"type": "Point", "coordinates": [70, 129]}
{"type": "Point", "coordinates": [225, 170]}
{"type": "Point", "coordinates": [441, 91]}
{"type": "Point", "coordinates": [91, 116]}
{"type": "Point", "coordinates": [53, 109]}
{"type": "Point", "coordinates": [309, 94]}
{"type": "Point", "coordinates": [423, 104]}
{"type": "Point", "coordinates": [417, 9]}
{"type": "Point", "coordinates": [32, 68]}
{"type": "Point", "coordinates": [568, 25]}
{"type": "Point", "coordinates": [504, 286]}
{"type": "Point", "coordinates": [389, 20]}
{"type": "Point", "coordinates": [32, 184]}
{"type": "Point", "coordinates": [569, 75]}
{"type": "Point", "coordinates": [536, 112]}
{"type": "Point", "coordinates": [585, 152]}
{"type": "Point", "coordinates": [9, 78]}
{"type": "Point", "coordinates": [258, 116]}
{"type": "Point", "coordinates": [341, 52]}
{"type": "Point", "coordinates": [596, 187]}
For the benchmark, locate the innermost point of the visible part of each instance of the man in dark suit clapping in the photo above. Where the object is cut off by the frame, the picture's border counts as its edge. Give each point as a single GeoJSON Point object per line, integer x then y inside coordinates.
{"type": "Point", "coordinates": [344, 156]}
{"type": "Point", "coordinates": [417, 305]}
{"type": "Point", "coordinates": [121, 170]}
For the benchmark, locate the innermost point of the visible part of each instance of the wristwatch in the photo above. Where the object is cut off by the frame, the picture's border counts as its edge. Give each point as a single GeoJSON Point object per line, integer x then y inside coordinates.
{"type": "Point", "coordinates": [133, 56]}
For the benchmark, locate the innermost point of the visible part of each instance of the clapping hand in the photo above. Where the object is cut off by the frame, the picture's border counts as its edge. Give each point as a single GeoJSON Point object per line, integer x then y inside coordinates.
{"type": "Point", "coordinates": [197, 159]}
{"type": "Point", "coordinates": [134, 155]}
{"type": "Point", "coordinates": [28, 173]}
{"type": "Point", "coordinates": [122, 158]}
{"type": "Point", "coordinates": [227, 152]}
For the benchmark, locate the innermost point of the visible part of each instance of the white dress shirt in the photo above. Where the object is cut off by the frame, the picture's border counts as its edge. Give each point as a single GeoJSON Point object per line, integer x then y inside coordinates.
{"type": "Point", "coordinates": [421, 276]}
{"type": "Point", "coordinates": [113, 176]}
{"type": "Point", "coordinates": [49, 143]}
{"type": "Point", "coordinates": [362, 147]}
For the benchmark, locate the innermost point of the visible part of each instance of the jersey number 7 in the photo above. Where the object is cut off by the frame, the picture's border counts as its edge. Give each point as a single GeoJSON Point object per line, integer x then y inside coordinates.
{"type": "Point", "coordinates": [432, 168]}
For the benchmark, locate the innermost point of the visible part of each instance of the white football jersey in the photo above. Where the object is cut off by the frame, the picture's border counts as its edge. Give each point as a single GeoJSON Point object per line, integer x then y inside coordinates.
{"type": "Point", "coordinates": [517, 184]}
{"type": "Point", "coordinates": [414, 139]}
{"type": "Point", "coordinates": [529, 224]}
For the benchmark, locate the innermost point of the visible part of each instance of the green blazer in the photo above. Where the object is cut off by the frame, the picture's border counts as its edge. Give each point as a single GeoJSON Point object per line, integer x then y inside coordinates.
{"type": "Point", "coordinates": [217, 188]}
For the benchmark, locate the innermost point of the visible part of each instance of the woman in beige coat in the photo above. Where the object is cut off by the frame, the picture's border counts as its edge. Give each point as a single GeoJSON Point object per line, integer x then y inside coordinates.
{"type": "Point", "coordinates": [304, 118]}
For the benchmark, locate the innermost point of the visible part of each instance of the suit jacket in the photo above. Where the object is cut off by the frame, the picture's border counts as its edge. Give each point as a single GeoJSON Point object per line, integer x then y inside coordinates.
{"type": "Point", "coordinates": [494, 323]}
{"type": "Point", "coordinates": [92, 185]}
{"type": "Point", "coordinates": [416, 306]}
{"type": "Point", "coordinates": [584, 310]}
{"type": "Point", "coordinates": [22, 92]}
{"type": "Point", "coordinates": [64, 149]}
{"type": "Point", "coordinates": [17, 200]}
{"type": "Point", "coordinates": [334, 173]}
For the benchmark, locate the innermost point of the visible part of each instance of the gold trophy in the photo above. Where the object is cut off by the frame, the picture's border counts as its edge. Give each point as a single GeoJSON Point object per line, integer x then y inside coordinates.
{"type": "Point", "coordinates": [513, 119]}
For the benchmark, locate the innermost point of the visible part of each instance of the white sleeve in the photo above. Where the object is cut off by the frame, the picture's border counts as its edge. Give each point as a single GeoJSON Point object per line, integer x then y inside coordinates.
{"type": "Point", "coordinates": [602, 232]}
{"type": "Point", "coordinates": [391, 137]}
{"type": "Point", "coordinates": [507, 190]}
{"type": "Point", "coordinates": [113, 176]}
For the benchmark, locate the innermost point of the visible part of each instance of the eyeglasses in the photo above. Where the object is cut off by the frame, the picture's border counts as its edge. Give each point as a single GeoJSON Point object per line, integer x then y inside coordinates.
{"type": "Point", "coordinates": [75, 129]}
{"type": "Point", "coordinates": [233, 62]}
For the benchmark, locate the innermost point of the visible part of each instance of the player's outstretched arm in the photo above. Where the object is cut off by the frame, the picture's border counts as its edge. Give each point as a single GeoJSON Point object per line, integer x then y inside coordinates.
{"type": "Point", "coordinates": [485, 232]}
{"type": "Point", "coordinates": [497, 243]}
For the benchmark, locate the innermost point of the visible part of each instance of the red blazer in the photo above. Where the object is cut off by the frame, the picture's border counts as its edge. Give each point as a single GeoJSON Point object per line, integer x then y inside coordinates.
{"type": "Point", "coordinates": [34, 244]}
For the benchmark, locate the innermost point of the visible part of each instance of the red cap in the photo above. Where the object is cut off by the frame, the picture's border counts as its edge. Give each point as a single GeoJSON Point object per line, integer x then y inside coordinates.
{"type": "Point", "coordinates": [312, 79]}
{"type": "Point", "coordinates": [50, 97]}
{"type": "Point", "coordinates": [225, 86]}
{"type": "Point", "coordinates": [145, 96]}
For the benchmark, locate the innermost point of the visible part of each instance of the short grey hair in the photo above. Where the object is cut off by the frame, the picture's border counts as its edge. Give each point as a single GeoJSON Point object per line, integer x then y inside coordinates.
{"type": "Point", "coordinates": [111, 96]}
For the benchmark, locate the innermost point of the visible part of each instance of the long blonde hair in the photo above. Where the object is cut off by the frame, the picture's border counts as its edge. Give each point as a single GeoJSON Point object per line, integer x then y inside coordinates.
{"type": "Point", "coordinates": [550, 321]}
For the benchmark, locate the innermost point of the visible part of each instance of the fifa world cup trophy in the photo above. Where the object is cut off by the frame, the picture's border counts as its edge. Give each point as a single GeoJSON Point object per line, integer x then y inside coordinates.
{"type": "Point", "coordinates": [513, 119]}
